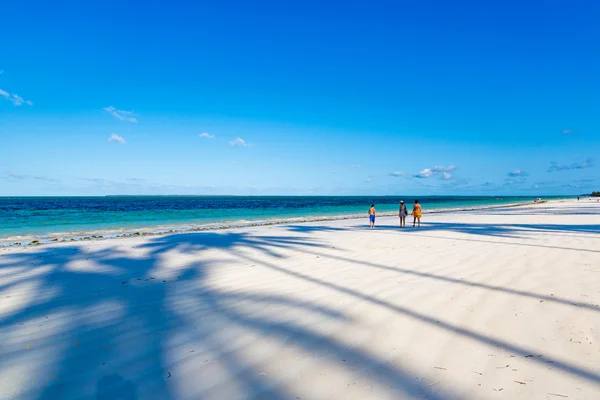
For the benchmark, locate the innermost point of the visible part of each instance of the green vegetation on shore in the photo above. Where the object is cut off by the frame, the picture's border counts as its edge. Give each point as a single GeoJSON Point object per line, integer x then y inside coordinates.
{"type": "Point", "coordinates": [595, 194]}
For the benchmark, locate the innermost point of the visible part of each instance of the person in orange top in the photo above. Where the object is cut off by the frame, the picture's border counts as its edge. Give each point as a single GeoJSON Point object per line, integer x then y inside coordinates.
{"type": "Point", "coordinates": [416, 212]}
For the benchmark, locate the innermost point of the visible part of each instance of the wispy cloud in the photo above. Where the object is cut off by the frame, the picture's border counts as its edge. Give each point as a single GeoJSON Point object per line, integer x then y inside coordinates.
{"type": "Point", "coordinates": [116, 138]}
{"type": "Point", "coordinates": [543, 184]}
{"type": "Point", "coordinates": [567, 132]}
{"type": "Point", "coordinates": [44, 179]}
{"type": "Point", "coordinates": [121, 114]}
{"type": "Point", "coordinates": [439, 168]}
{"type": "Point", "coordinates": [446, 176]}
{"type": "Point", "coordinates": [95, 180]}
{"type": "Point", "coordinates": [369, 179]}
{"type": "Point", "coordinates": [514, 180]}
{"type": "Point", "coordinates": [578, 185]}
{"type": "Point", "coordinates": [517, 172]}
{"type": "Point", "coordinates": [456, 183]}
{"type": "Point", "coordinates": [135, 180]}
{"type": "Point", "coordinates": [13, 176]}
{"type": "Point", "coordinates": [355, 166]}
{"type": "Point", "coordinates": [205, 135]}
{"type": "Point", "coordinates": [238, 142]}
{"type": "Point", "coordinates": [16, 176]}
{"type": "Point", "coordinates": [554, 166]}
{"type": "Point", "coordinates": [14, 98]}
{"type": "Point", "coordinates": [334, 171]}
{"type": "Point", "coordinates": [490, 186]}
{"type": "Point", "coordinates": [397, 174]}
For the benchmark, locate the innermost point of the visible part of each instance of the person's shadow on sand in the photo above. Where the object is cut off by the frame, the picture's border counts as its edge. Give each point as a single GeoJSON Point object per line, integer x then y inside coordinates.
{"type": "Point", "coordinates": [114, 387]}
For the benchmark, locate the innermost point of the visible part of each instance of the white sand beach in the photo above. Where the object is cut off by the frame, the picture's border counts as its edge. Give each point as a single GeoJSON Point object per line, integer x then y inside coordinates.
{"type": "Point", "coordinates": [497, 304]}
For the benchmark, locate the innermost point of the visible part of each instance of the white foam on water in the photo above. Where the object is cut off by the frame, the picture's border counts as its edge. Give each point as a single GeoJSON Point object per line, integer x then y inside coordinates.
{"type": "Point", "coordinates": [74, 236]}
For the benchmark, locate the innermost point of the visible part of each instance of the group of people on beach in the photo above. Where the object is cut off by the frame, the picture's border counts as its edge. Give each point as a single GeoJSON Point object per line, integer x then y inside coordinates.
{"type": "Point", "coordinates": [402, 213]}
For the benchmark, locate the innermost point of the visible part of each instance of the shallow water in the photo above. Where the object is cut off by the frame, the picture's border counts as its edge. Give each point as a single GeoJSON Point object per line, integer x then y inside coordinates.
{"type": "Point", "coordinates": [23, 219]}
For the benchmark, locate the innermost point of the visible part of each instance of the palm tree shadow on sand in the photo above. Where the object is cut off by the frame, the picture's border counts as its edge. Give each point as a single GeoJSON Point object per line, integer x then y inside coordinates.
{"type": "Point", "coordinates": [116, 323]}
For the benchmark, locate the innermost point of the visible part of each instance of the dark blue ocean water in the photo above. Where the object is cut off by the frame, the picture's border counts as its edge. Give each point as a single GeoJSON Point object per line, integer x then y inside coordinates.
{"type": "Point", "coordinates": [41, 216]}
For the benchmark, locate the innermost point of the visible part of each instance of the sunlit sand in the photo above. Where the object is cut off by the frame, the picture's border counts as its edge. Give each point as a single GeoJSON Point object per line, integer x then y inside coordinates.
{"type": "Point", "coordinates": [498, 304]}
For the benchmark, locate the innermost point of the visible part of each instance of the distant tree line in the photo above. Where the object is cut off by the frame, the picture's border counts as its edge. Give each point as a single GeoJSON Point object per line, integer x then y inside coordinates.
{"type": "Point", "coordinates": [595, 194]}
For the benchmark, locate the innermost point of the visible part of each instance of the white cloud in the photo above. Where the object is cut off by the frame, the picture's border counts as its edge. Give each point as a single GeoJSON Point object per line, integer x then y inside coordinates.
{"type": "Point", "coordinates": [121, 114]}
{"type": "Point", "coordinates": [238, 142]}
{"type": "Point", "coordinates": [440, 168]}
{"type": "Point", "coordinates": [116, 138]}
{"type": "Point", "coordinates": [425, 173]}
{"type": "Point", "coordinates": [369, 179]}
{"type": "Point", "coordinates": [517, 172]}
{"type": "Point", "coordinates": [205, 135]}
{"type": "Point", "coordinates": [355, 166]}
{"type": "Point", "coordinates": [15, 98]}
{"type": "Point", "coordinates": [439, 171]}
{"type": "Point", "coordinates": [567, 132]}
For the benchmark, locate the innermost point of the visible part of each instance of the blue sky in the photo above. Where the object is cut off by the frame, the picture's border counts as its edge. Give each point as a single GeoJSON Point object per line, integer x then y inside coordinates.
{"type": "Point", "coordinates": [419, 97]}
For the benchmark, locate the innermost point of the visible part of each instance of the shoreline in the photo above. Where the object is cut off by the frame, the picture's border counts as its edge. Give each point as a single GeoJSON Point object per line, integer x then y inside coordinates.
{"type": "Point", "coordinates": [21, 241]}
{"type": "Point", "coordinates": [470, 303]}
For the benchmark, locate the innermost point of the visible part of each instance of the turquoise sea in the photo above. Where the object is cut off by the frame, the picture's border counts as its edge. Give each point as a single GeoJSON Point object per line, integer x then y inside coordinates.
{"type": "Point", "coordinates": [47, 218]}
